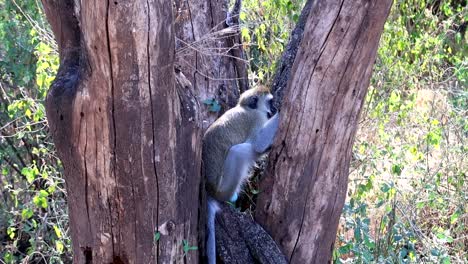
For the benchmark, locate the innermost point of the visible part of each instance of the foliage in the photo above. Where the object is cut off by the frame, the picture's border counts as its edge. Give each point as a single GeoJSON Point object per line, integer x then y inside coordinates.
{"type": "Point", "coordinates": [407, 193]}
{"type": "Point", "coordinates": [186, 247]}
{"type": "Point", "coordinates": [33, 216]}
{"type": "Point", "coordinates": [407, 189]}
{"type": "Point", "coordinates": [264, 38]}
{"type": "Point", "coordinates": [213, 105]}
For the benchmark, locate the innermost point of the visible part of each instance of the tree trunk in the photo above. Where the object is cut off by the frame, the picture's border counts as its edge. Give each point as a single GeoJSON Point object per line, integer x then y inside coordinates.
{"type": "Point", "coordinates": [209, 53]}
{"type": "Point", "coordinates": [127, 133]}
{"type": "Point", "coordinates": [128, 129]}
{"type": "Point", "coordinates": [283, 70]}
{"type": "Point", "coordinates": [304, 187]}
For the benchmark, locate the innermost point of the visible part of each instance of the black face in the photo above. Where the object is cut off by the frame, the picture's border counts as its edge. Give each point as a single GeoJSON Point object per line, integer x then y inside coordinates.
{"type": "Point", "coordinates": [271, 107]}
{"type": "Point", "coordinates": [252, 102]}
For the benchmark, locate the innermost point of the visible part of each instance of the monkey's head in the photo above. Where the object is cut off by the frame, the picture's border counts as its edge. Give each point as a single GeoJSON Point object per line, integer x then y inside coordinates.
{"type": "Point", "coordinates": [258, 99]}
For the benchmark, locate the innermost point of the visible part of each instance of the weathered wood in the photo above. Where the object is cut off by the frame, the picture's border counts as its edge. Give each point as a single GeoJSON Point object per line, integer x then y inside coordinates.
{"type": "Point", "coordinates": [283, 70]}
{"type": "Point", "coordinates": [127, 128]}
{"type": "Point", "coordinates": [127, 134]}
{"type": "Point", "coordinates": [206, 53]}
{"type": "Point", "coordinates": [304, 187]}
{"type": "Point", "coordinates": [241, 240]}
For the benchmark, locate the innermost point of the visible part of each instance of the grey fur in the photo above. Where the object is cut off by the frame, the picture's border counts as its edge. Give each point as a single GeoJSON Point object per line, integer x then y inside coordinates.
{"type": "Point", "coordinates": [213, 207]}
{"type": "Point", "coordinates": [238, 125]}
{"type": "Point", "coordinates": [265, 136]}
{"type": "Point", "coordinates": [231, 146]}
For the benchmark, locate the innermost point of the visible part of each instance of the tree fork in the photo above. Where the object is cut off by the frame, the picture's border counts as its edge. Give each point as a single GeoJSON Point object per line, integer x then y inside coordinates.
{"type": "Point", "coordinates": [127, 130]}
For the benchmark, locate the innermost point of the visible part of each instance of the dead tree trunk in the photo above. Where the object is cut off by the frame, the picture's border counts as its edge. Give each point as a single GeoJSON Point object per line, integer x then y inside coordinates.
{"type": "Point", "coordinates": [304, 188]}
{"type": "Point", "coordinates": [209, 52]}
{"type": "Point", "coordinates": [128, 129]}
{"type": "Point", "coordinates": [127, 134]}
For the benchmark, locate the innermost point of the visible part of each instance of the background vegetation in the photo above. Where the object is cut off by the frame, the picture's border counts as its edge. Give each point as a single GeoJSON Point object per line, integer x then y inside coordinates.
{"type": "Point", "coordinates": [407, 196]}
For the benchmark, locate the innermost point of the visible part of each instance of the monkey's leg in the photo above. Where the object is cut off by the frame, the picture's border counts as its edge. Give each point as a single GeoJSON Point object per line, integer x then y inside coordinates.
{"type": "Point", "coordinates": [265, 136]}
{"type": "Point", "coordinates": [236, 169]}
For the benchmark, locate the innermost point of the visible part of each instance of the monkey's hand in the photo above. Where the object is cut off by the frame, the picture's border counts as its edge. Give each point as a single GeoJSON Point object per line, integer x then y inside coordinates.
{"type": "Point", "coordinates": [234, 197]}
{"type": "Point", "coordinates": [263, 140]}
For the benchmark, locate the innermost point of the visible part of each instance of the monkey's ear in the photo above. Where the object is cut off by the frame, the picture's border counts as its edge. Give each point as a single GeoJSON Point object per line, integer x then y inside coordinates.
{"type": "Point", "coordinates": [253, 102]}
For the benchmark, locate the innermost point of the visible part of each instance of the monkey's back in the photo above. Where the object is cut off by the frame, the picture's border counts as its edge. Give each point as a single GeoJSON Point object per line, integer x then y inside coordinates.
{"type": "Point", "coordinates": [232, 128]}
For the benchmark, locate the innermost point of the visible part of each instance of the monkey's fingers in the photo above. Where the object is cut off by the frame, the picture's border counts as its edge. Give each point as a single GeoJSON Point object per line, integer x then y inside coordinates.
{"type": "Point", "coordinates": [265, 136]}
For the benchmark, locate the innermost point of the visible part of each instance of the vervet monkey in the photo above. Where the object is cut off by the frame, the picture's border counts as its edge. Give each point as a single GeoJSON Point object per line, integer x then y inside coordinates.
{"type": "Point", "coordinates": [231, 146]}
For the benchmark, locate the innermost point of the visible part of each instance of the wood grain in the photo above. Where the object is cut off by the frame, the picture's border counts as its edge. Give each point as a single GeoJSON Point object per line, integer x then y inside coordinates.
{"type": "Point", "coordinates": [127, 133]}
{"type": "Point", "coordinates": [304, 188]}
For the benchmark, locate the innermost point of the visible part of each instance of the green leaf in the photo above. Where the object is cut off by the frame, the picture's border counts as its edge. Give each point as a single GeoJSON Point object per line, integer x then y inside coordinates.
{"type": "Point", "coordinates": [216, 107]}
{"type": "Point", "coordinates": [187, 247]}
{"type": "Point", "coordinates": [156, 236]}
{"type": "Point", "coordinates": [420, 205]}
{"type": "Point", "coordinates": [245, 33]}
{"type": "Point", "coordinates": [209, 101]}
{"type": "Point", "coordinates": [444, 237]}
{"type": "Point", "coordinates": [454, 217]}
{"type": "Point", "coordinates": [28, 113]}
{"type": "Point", "coordinates": [40, 201]}
{"type": "Point", "coordinates": [357, 233]}
{"type": "Point", "coordinates": [295, 18]}
{"type": "Point", "coordinates": [51, 189]}
{"type": "Point", "coordinates": [396, 169]}
{"type": "Point", "coordinates": [26, 213]}
{"type": "Point", "coordinates": [59, 246]}
{"type": "Point", "coordinates": [43, 193]}
{"type": "Point", "coordinates": [385, 188]}
{"type": "Point", "coordinates": [435, 252]}
{"type": "Point", "coordinates": [242, 16]}
{"type": "Point", "coordinates": [8, 257]}
{"type": "Point", "coordinates": [11, 232]}
{"type": "Point", "coordinates": [345, 249]}
{"type": "Point", "coordinates": [255, 191]}
{"type": "Point", "coordinates": [57, 232]}
{"type": "Point", "coordinates": [29, 174]}
{"type": "Point", "coordinates": [446, 260]}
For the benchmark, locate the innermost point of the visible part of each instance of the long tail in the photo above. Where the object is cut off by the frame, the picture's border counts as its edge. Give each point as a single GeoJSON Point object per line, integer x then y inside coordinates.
{"type": "Point", "coordinates": [213, 207]}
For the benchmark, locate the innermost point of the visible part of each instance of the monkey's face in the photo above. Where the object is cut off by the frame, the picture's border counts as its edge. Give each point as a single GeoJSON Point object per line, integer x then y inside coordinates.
{"type": "Point", "coordinates": [261, 102]}
{"type": "Point", "coordinates": [265, 104]}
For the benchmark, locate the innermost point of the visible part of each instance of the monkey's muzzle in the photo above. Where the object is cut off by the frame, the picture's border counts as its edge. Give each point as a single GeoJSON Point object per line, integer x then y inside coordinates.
{"type": "Point", "coordinates": [269, 114]}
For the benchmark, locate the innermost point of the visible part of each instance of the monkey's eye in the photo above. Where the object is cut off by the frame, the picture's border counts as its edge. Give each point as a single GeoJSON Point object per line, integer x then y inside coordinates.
{"type": "Point", "coordinates": [253, 102]}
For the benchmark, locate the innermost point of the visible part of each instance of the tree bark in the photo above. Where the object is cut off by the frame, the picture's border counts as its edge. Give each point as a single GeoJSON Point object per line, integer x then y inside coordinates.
{"type": "Point", "coordinates": [304, 187]}
{"type": "Point", "coordinates": [128, 128]}
{"type": "Point", "coordinates": [240, 240]}
{"type": "Point", "coordinates": [127, 133]}
{"type": "Point", "coordinates": [209, 53]}
{"type": "Point", "coordinates": [283, 71]}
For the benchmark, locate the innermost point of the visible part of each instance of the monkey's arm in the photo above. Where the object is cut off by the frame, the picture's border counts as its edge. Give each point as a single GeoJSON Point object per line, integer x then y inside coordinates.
{"type": "Point", "coordinates": [265, 136]}
{"type": "Point", "coordinates": [236, 168]}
